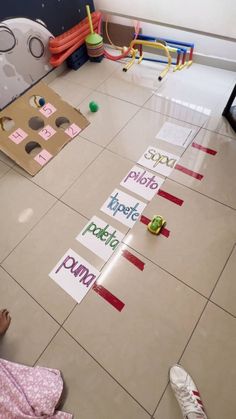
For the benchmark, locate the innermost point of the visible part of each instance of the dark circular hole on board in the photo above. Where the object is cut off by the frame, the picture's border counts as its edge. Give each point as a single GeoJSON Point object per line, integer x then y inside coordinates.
{"type": "Point", "coordinates": [7, 39]}
{"type": "Point", "coordinates": [34, 101]}
{"type": "Point", "coordinates": [33, 148]}
{"type": "Point", "coordinates": [62, 122]}
{"type": "Point", "coordinates": [36, 47]}
{"type": "Point", "coordinates": [6, 123]}
{"type": "Point", "coordinates": [36, 123]}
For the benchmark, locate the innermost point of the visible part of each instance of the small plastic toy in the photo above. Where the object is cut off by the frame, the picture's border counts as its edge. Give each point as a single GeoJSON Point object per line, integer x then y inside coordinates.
{"type": "Point", "coordinates": [156, 224]}
{"type": "Point", "coordinates": [93, 106]}
{"type": "Point", "coordinates": [93, 41]}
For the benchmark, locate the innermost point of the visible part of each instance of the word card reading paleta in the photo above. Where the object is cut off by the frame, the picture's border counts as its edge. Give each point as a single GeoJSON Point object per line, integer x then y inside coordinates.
{"type": "Point", "coordinates": [142, 182]}
{"type": "Point", "coordinates": [123, 207]}
{"type": "Point", "coordinates": [101, 238]}
{"type": "Point", "coordinates": [158, 160]}
{"type": "Point", "coordinates": [75, 275]}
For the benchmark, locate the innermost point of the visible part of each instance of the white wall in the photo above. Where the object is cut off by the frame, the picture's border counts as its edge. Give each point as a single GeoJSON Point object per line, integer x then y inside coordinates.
{"type": "Point", "coordinates": [204, 45]}
{"type": "Point", "coordinates": [211, 16]}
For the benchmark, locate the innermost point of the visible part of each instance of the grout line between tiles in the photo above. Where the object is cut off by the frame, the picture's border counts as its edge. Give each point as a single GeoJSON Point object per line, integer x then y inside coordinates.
{"type": "Point", "coordinates": [169, 178]}
{"type": "Point", "coordinates": [222, 270]}
{"type": "Point", "coordinates": [67, 100]}
{"type": "Point", "coordinates": [200, 126]}
{"type": "Point", "coordinates": [190, 337]}
{"type": "Point", "coordinates": [82, 85]}
{"type": "Point", "coordinates": [140, 254]}
{"type": "Point", "coordinates": [87, 218]}
{"type": "Point", "coordinates": [162, 395]}
{"type": "Point", "coordinates": [115, 69]}
{"type": "Point", "coordinates": [45, 190]}
{"type": "Point", "coordinates": [138, 110]}
{"type": "Point", "coordinates": [24, 175]}
{"type": "Point", "coordinates": [124, 100]}
{"type": "Point", "coordinates": [103, 149]}
{"type": "Point", "coordinates": [191, 334]}
{"type": "Point", "coordinates": [165, 270]}
{"type": "Point", "coordinates": [28, 232]}
{"type": "Point", "coordinates": [223, 309]}
{"type": "Point", "coordinates": [91, 141]}
{"type": "Point", "coordinates": [232, 137]}
{"type": "Point", "coordinates": [5, 173]}
{"type": "Point", "coordinates": [104, 369]}
{"type": "Point", "coordinates": [179, 360]}
{"type": "Point", "coordinates": [55, 334]}
{"type": "Point", "coordinates": [3, 161]}
{"type": "Point", "coordinates": [118, 132]}
{"type": "Point", "coordinates": [70, 186]}
{"type": "Point", "coordinates": [67, 317]}
{"type": "Point", "coordinates": [59, 199]}
{"type": "Point", "coordinates": [31, 296]}
{"type": "Point", "coordinates": [125, 158]}
{"type": "Point", "coordinates": [200, 193]}
{"type": "Point", "coordinates": [184, 283]}
{"type": "Point", "coordinates": [149, 109]}
{"type": "Point", "coordinates": [73, 209]}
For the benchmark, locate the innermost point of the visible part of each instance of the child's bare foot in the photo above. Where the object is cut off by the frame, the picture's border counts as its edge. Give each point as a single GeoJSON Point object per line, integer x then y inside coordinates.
{"type": "Point", "coordinates": [5, 320]}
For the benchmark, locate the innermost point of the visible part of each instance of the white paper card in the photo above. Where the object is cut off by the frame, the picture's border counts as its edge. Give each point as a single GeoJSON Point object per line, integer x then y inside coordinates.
{"type": "Point", "coordinates": [159, 160]}
{"type": "Point", "coordinates": [100, 237]}
{"type": "Point", "coordinates": [142, 182]}
{"type": "Point", "coordinates": [123, 207]}
{"type": "Point", "coordinates": [74, 274]}
{"type": "Point", "coordinates": [175, 134]}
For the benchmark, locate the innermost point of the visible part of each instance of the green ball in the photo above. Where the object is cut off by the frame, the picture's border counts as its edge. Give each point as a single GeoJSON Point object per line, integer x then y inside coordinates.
{"type": "Point", "coordinates": [93, 106]}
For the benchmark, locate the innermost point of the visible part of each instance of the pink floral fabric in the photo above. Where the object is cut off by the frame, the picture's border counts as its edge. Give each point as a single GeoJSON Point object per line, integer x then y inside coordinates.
{"type": "Point", "coordinates": [29, 393]}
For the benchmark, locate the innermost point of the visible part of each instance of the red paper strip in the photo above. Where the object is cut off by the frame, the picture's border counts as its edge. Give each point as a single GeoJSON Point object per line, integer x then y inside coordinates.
{"type": "Point", "coordinates": [188, 172]}
{"type": "Point", "coordinates": [144, 220]}
{"type": "Point", "coordinates": [207, 150]}
{"type": "Point", "coordinates": [108, 296]}
{"type": "Point", "coordinates": [170, 197]}
{"type": "Point", "coordinates": [164, 231]}
{"type": "Point", "coordinates": [133, 259]}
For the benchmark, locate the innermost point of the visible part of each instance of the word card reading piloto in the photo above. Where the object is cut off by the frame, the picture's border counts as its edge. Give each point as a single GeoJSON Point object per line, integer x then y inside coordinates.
{"type": "Point", "coordinates": [100, 237]}
{"type": "Point", "coordinates": [123, 207]}
{"type": "Point", "coordinates": [142, 182]}
{"type": "Point", "coordinates": [158, 160]}
{"type": "Point", "coordinates": [75, 275]}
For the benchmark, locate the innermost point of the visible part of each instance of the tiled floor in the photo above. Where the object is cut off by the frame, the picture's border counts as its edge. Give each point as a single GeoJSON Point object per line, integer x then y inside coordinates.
{"type": "Point", "coordinates": [181, 306]}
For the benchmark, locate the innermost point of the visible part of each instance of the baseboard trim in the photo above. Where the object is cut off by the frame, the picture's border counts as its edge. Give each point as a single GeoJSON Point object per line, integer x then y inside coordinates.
{"type": "Point", "coordinates": [213, 61]}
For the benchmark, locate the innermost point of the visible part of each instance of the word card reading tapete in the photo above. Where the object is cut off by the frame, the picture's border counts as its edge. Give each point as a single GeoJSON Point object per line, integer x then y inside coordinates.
{"type": "Point", "coordinates": [123, 207]}
{"type": "Point", "coordinates": [74, 274]}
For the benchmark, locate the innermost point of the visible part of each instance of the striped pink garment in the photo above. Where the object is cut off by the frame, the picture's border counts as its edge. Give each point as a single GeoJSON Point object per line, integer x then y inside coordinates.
{"type": "Point", "coordinates": [29, 392]}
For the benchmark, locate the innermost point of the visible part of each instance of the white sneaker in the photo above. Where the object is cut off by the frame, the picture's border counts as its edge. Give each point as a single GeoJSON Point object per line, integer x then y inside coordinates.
{"type": "Point", "coordinates": [186, 393]}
